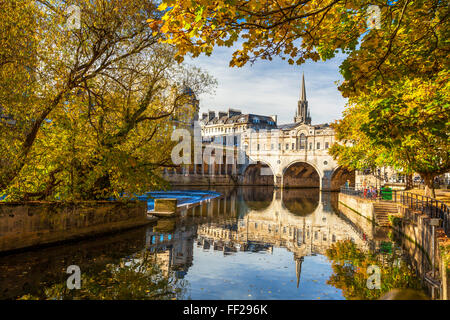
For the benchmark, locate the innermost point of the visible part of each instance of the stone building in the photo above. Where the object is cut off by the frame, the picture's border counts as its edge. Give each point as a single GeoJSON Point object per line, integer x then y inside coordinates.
{"type": "Point", "coordinates": [299, 135]}
{"type": "Point", "coordinates": [296, 153]}
{"type": "Point", "coordinates": [231, 125]}
{"type": "Point", "coordinates": [186, 115]}
{"type": "Point", "coordinates": [265, 153]}
{"type": "Point", "coordinates": [293, 155]}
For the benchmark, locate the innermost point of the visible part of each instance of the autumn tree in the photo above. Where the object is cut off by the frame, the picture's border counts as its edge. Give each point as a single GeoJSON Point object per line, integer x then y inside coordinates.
{"type": "Point", "coordinates": [406, 126]}
{"type": "Point", "coordinates": [93, 121]}
{"type": "Point", "coordinates": [410, 47]}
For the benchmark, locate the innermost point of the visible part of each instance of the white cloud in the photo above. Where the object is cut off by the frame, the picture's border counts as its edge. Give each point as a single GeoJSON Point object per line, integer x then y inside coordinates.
{"type": "Point", "coordinates": [273, 87]}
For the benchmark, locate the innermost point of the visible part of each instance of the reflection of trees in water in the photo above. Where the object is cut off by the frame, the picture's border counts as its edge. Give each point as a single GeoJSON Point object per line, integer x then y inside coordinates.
{"type": "Point", "coordinates": [301, 201]}
{"type": "Point", "coordinates": [30, 271]}
{"type": "Point", "coordinates": [257, 198]}
{"type": "Point", "coordinates": [350, 266]}
{"type": "Point", "coordinates": [138, 278]}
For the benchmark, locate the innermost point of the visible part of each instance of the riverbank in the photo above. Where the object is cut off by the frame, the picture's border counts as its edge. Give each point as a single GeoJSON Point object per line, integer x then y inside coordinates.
{"type": "Point", "coordinates": [26, 225]}
{"type": "Point", "coordinates": [31, 224]}
{"type": "Point", "coordinates": [428, 249]}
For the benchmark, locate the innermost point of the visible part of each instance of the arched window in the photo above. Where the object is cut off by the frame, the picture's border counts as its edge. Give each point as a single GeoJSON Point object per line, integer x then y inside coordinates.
{"type": "Point", "coordinates": [302, 141]}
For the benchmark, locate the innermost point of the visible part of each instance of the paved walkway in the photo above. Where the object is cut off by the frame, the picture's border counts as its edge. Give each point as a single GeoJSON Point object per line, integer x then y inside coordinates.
{"type": "Point", "coordinates": [441, 194]}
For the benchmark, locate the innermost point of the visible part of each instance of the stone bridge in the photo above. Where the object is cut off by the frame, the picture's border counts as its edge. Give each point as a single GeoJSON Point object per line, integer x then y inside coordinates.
{"type": "Point", "coordinates": [295, 169]}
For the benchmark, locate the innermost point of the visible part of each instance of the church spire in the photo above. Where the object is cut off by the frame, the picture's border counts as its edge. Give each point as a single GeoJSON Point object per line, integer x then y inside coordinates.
{"type": "Point", "coordinates": [303, 93]}
{"type": "Point", "coordinates": [298, 268]}
{"type": "Point", "coordinates": [302, 113]}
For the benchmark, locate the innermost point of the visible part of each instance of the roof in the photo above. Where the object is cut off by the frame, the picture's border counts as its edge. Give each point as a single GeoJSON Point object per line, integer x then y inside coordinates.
{"type": "Point", "coordinates": [321, 126]}
{"type": "Point", "coordinates": [242, 118]}
{"type": "Point", "coordinates": [288, 126]}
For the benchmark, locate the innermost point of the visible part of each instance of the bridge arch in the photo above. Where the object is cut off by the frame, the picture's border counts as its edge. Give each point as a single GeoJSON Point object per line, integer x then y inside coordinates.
{"type": "Point", "coordinates": [258, 198]}
{"type": "Point", "coordinates": [339, 176]}
{"type": "Point", "coordinates": [258, 174]}
{"type": "Point", "coordinates": [301, 174]}
{"type": "Point", "coordinates": [300, 202]}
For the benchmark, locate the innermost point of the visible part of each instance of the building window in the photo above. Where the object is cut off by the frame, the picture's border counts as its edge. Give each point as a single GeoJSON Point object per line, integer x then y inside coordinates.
{"type": "Point", "coordinates": [327, 145]}
{"type": "Point", "coordinates": [318, 145]}
{"type": "Point", "coordinates": [279, 146]}
{"type": "Point", "coordinates": [271, 146]}
{"type": "Point", "coordinates": [287, 146]}
{"type": "Point", "coordinates": [257, 147]}
{"type": "Point", "coordinates": [310, 146]}
{"type": "Point", "coordinates": [293, 146]}
{"type": "Point", "coordinates": [302, 141]}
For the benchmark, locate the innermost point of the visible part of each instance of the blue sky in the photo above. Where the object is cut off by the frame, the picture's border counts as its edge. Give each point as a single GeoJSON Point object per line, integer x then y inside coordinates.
{"type": "Point", "coordinates": [272, 87]}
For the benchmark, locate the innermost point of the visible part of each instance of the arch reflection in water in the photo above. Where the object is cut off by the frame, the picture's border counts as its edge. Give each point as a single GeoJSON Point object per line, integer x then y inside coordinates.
{"type": "Point", "coordinates": [301, 202]}
{"type": "Point", "coordinates": [296, 224]}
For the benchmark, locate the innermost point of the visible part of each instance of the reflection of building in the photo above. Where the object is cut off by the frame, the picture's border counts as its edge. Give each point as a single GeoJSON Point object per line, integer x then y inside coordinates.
{"type": "Point", "coordinates": [302, 221]}
{"type": "Point", "coordinates": [173, 251]}
{"type": "Point", "coordinates": [260, 229]}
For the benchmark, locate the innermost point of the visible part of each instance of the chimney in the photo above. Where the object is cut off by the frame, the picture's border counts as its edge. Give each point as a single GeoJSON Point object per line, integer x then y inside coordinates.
{"type": "Point", "coordinates": [211, 115]}
{"type": "Point", "coordinates": [222, 114]}
{"type": "Point", "coordinates": [233, 112]}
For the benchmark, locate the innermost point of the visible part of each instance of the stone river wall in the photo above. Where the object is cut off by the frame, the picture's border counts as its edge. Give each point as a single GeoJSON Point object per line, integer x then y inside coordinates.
{"type": "Point", "coordinates": [38, 223]}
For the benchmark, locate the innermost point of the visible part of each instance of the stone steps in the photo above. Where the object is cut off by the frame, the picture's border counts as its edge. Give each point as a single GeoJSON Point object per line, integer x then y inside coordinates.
{"type": "Point", "coordinates": [382, 211]}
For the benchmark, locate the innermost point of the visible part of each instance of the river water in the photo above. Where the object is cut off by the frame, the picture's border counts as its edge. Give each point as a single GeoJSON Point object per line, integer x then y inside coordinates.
{"type": "Point", "coordinates": [252, 243]}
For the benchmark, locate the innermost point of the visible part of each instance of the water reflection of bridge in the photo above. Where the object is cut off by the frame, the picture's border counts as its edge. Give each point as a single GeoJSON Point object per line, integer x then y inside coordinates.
{"type": "Point", "coordinates": [257, 220]}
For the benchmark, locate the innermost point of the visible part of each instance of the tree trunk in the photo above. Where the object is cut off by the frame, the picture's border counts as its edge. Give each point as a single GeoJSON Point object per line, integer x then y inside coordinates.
{"type": "Point", "coordinates": [429, 185]}
{"type": "Point", "coordinates": [409, 182]}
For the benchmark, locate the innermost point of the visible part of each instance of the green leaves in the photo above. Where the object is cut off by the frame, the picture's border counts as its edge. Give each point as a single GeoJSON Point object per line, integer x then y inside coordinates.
{"type": "Point", "coordinates": [405, 122]}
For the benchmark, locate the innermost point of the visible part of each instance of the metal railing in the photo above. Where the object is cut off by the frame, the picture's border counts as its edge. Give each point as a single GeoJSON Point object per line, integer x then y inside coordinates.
{"type": "Point", "coordinates": [366, 193]}
{"type": "Point", "coordinates": [431, 207]}
{"type": "Point", "coordinates": [417, 203]}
